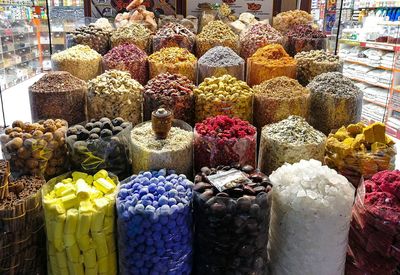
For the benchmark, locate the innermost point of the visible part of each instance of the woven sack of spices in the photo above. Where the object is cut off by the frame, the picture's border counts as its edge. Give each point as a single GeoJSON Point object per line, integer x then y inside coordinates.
{"type": "Point", "coordinates": [359, 151]}
{"type": "Point", "coordinates": [303, 38]}
{"type": "Point", "coordinates": [173, 35]}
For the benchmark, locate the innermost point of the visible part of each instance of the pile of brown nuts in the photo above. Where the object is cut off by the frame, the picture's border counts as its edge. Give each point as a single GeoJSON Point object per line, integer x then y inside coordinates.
{"type": "Point", "coordinates": [96, 38]}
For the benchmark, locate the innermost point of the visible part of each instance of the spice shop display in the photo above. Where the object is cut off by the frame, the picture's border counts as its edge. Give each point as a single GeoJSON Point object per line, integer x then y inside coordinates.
{"type": "Point", "coordinates": [219, 61]}
{"type": "Point", "coordinates": [316, 62]}
{"type": "Point", "coordinates": [173, 60]}
{"type": "Point", "coordinates": [289, 141]}
{"type": "Point", "coordinates": [95, 37]}
{"type": "Point", "coordinates": [128, 57]}
{"type": "Point", "coordinates": [172, 150]}
{"type": "Point", "coordinates": [269, 62]}
{"type": "Point", "coordinates": [231, 214]}
{"type": "Point", "coordinates": [222, 140]}
{"type": "Point", "coordinates": [100, 144]}
{"type": "Point", "coordinates": [190, 22]}
{"type": "Point", "coordinates": [79, 212]}
{"type": "Point", "coordinates": [216, 33]}
{"type": "Point", "coordinates": [310, 219]}
{"type": "Point", "coordinates": [258, 36]}
{"type": "Point", "coordinates": [224, 95]}
{"type": "Point", "coordinates": [35, 148]}
{"type": "Point", "coordinates": [173, 92]}
{"type": "Point", "coordinates": [103, 24]}
{"type": "Point", "coordinates": [58, 95]}
{"type": "Point", "coordinates": [335, 101]}
{"type": "Point", "coordinates": [80, 60]}
{"type": "Point", "coordinates": [173, 35]}
{"type": "Point", "coordinates": [302, 38]}
{"type": "Point", "coordinates": [359, 151]}
{"type": "Point", "coordinates": [155, 223]}
{"type": "Point", "coordinates": [115, 94]}
{"type": "Point", "coordinates": [132, 34]}
{"type": "Point", "coordinates": [23, 241]}
{"type": "Point", "coordinates": [285, 21]}
{"type": "Point", "coordinates": [278, 98]}
{"type": "Point", "coordinates": [374, 230]}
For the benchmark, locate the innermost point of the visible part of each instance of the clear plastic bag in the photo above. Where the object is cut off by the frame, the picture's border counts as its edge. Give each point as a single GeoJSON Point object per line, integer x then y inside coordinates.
{"type": "Point", "coordinates": [108, 153]}
{"type": "Point", "coordinates": [80, 238]}
{"type": "Point", "coordinates": [231, 227]}
{"type": "Point", "coordinates": [155, 239]}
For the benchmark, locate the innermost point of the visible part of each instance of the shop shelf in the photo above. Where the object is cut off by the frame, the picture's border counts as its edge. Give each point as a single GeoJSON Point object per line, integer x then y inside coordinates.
{"type": "Point", "coordinates": [367, 82]}
{"type": "Point", "coordinates": [366, 64]}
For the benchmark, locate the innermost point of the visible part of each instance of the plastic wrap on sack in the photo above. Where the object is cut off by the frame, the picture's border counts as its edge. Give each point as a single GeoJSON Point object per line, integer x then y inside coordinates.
{"type": "Point", "coordinates": [374, 231]}
{"type": "Point", "coordinates": [36, 148]}
{"type": "Point", "coordinates": [110, 153]}
{"type": "Point", "coordinates": [22, 245]}
{"type": "Point", "coordinates": [79, 212]}
{"type": "Point", "coordinates": [231, 226]}
{"type": "Point", "coordinates": [358, 151]}
{"type": "Point", "coordinates": [155, 224]}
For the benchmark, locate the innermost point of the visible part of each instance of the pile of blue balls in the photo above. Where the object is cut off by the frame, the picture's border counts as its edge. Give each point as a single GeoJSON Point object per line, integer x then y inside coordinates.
{"type": "Point", "coordinates": [155, 223]}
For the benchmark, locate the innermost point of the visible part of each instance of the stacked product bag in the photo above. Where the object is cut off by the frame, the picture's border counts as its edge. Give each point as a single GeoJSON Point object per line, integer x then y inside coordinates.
{"type": "Point", "coordinates": [155, 223]}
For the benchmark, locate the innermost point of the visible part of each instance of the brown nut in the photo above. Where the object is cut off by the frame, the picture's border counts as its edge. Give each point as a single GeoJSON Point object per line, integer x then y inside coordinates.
{"type": "Point", "coordinates": [23, 153]}
{"type": "Point", "coordinates": [26, 136]}
{"type": "Point", "coordinates": [32, 163]}
{"type": "Point", "coordinates": [17, 129]}
{"type": "Point", "coordinates": [48, 136]}
{"type": "Point", "coordinates": [8, 130]}
{"type": "Point", "coordinates": [18, 123]}
{"type": "Point", "coordinates": [15, 144]}
{"type": "Point", "coordinates": [50, 170]}
{"type": "Point", "coordinates": [37, 134]}
{"type": "Point", "coordinates": [37, 154]}
{"type": "Point", "coordinates": [15, 135]}
{"type": "Point", "coordinates": [58, 135]}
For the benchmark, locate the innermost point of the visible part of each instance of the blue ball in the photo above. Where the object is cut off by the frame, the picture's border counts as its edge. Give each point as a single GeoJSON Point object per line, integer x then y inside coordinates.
{"type": "Point", "coordinates": [155, 204]}
{"type": "Point", "coordinates": [150, 197]}
{"type": "Point", "coordinates": [150, 208]}
{"type": "Point", "coordinates": [163, 201]}
{"type": "Point", "coordinates": [123, 193]}
{"type": "Point", "coordinates": [143, 191]}
{"type": "Point", "coordinates": [125, 216]}
{"type": "Point", "coordinates": [152, 188]}
{"type": "Point", "coordinates": [139, 207]}
{"type": "Point", "coordinates": [161, 179]}
{"type": "Point", "coordinates": [171, 201]}
{"type": "Point", "coordinates": [174, 209]}
{"type": "Point", "coordinates": [162, 172]}
{"type": "Point", "coordinates": [154, 180]}
{"type": "Point", "coordinates": [168, 186]}
{"type": "Point", "coordinates": [160, 190]}
{"type": "Point", "coordinates": [165, 210]}
{"type": "Point", "coordinates": [180, 188]}
{"type": "Point", "coordinates": [147, 174]}
{"type": "Point", "coordinates": [173, 193]}
{"type": "Point", "coordinates": [174, 181]}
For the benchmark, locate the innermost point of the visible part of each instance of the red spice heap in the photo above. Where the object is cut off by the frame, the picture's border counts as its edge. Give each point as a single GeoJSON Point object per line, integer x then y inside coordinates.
{"type": "Point", "coordinates": [375, 227]}
{"type": "Point", "coordinates": [225, 127]}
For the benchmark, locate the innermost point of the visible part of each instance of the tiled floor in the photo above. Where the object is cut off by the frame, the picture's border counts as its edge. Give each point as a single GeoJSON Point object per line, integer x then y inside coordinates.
{"type": "Point", "coordinates": [16, 106]}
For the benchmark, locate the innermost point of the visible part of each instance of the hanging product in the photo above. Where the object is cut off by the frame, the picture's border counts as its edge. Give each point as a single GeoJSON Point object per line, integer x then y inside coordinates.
{"type": "Point", "coordinates": [36, 149]}
{"type": "Point", "coordinates": [222, 140]}
{"type": "Point", "coordinates": [224, 95]}
{"type": "Point", "coordinates": [58, 95]}
{"type": "Point", "coordinates": [128, 57]}
{"type": "Point", "coordinates": [173, 35]}
{"type": "Point", "coordinates": [231, 215]}
{"type": "Point", "coordinates": [359, 151]}
{"type": "Point", "coordinates": [303, 38]}
{"type": "Point", "coordinates": [278, 98]}
{"type": "Point", "coordinates": [155, 224]}
{"type": "Point", "coordinates": [79, 212]}
{"type": "Point", "coordinates": [163, 142]}
{"type": "Point", "coordinates": [219, 61]}
{"type": "Point", "coordinates": [310, 219]}
{"type": "Point", "coordinates": [269, 62]}
{"type": "Point", "coordinates": [23, 241]}
{"type": "Point", "coordinates": [335, 101]}
{"type": "Point", "coordinates": [170, 91]}
{"type": "Point", "coordinates": [133, 33]}
{"type": "Point", "coordinates": [173, 60]}
{"type": "Point", "coordinates": [81, 61]}
{"type": "Point", "coordinates": [102, 144]}
{"type": "Point", "coordinates": [115, 94]}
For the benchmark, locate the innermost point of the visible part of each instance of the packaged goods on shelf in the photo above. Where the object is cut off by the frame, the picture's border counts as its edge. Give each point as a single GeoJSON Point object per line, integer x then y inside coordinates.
{"type": "Point", "coordinates": [372, 112]}
{"type": "Point", "coordinates": [335, 101]}
{"type": "Point", "coordinates": [133, 34]}
{"type": "Point", "coordinates": [278, 98]}
{"type": "Point", "coordinates": [170, 91]}
{"type": "Point", "coordinates": [130, 58]}
{"type": "Point", "coordinates": [316, 62]}
{"type": "Point", "coordinates": [289, 141]}
{"type": "Point", "coordinates": [258, 36]}
{"type": "Point", "coordinates": [374, 230]}
{"type": "Point", "coordinates": [173, 60]}
{"type": "Point", "coordinates": [173, 35]}
{"type": "Point", "coordinates": [285, 21]}
{"type": "Point", "coordinates": [115, 94]}
{"type": "Point", "coordinates": [358, 151]}
{"type": "Point", "coordinates": [222, 140]}
{"type": "Point", "coordinates": [216, 33]}
{"type": "Point", "coordinates": [175, 151]}
{"type": "Point", "coordinates": [95, 37]}
{"type": "Point", "coordinates": [310, 219]}
{"type": "Point", "coordinates": [231, 215]}
{"type": "Point", "coordinates": [79, 211]}
{"type": "Point", "coordinates": [224, 95]}
{"type": "Point", "coordinates": [81, 61]}
{"type": "Point", "coordinates": [58, 95]}
{"type": "Point", "coordinates": [23, 241]}
{"type": "Point", "coordinates": [154, 215]}
{"type": "Point", "coordinates": [269, 62]}
{"type": "Point", "coordinates": [102, 144]}
{"type": "Point", "coordinates": [190, 22]}
{"type": "Point", "coordinates": [219, 61]}
{"type": "Point", "coordinates": [35, 148]}
{"type": "Point", "coordinates": [303, 38]}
